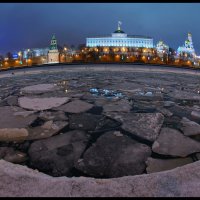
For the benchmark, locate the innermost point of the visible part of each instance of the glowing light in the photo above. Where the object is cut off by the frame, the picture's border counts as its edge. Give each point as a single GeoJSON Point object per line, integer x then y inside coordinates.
{"type": "Point", "coordinates": [123, 49]}
{"type": "Point", "coordinates": [15, 56]}
{"type": "Point", "coordinates": [143, 57]}
{"type": "Point", "coordinates": [106, 49]}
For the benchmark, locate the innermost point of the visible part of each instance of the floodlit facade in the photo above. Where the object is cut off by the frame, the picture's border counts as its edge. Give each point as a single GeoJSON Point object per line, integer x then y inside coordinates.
{"type": "Point", "coordinates": [35, 52]}
{"type": "Point", "coordinates": [161, 47]}
{"type": "Point", "coordinates": [120, 39]}
{"type": "Point", "coordinates": [188, 48]}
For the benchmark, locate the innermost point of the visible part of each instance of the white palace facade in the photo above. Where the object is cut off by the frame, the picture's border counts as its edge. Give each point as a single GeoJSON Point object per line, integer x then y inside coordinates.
{"type": "Point", "coordinates": [120, 39]}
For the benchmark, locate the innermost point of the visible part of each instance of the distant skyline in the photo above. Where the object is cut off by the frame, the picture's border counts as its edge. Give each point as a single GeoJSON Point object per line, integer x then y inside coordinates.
{"type": "Point", "coordinates": [31, 25]}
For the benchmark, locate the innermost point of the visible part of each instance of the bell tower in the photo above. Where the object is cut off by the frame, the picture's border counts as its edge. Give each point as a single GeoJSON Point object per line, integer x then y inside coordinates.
{"type": "Point", "coordinates": [53, 54]}
{"type": "Point", "coordinates": [190, 40]}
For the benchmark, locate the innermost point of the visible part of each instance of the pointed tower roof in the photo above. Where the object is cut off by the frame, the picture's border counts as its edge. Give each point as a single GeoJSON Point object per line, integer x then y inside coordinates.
{"type": "Point", "coordinates": [54, 37]}
{"type": "Point", "coordinates": [53, 43]}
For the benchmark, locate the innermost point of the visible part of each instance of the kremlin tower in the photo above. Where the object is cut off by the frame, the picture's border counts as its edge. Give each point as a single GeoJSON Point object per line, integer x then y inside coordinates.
{"type": "Point", "coordinates": [53, 53]}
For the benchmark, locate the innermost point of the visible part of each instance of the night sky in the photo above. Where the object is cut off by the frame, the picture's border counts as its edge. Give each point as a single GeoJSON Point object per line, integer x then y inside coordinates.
{"type": "Point", "coordinates": [31, 25]}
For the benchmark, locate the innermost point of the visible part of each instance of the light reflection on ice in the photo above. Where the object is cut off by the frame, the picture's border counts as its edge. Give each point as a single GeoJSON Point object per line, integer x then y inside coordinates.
{"type": "Point", "coordinates": [107, 93]}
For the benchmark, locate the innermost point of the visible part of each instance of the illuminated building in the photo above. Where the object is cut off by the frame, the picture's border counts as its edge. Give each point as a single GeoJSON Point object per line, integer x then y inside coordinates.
{"type": "Point", "coordinates": [162, 50]}
{"type": "Point", "coordinates": [188, 48]}
{"type": "Point", "coordinates": [53, 53]}
{"type": "Point", "coordinates": [35, 52]}
{"type": "Point", "coordinates": [161, 47]}
{"type": "Point", "coordinates": [120, 39]}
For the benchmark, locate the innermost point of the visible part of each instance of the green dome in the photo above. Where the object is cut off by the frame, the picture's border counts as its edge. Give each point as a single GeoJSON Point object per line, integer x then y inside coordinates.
{"type": "Point", "coordinates": [119, 31]}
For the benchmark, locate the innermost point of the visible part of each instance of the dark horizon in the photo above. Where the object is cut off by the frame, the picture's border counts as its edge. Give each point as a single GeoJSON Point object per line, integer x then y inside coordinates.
{"type": "Point", "coordinates": [31, 25]}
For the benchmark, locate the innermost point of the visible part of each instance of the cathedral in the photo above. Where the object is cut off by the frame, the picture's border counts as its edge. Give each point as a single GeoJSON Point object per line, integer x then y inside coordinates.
{"type": "Point", "coordinates": [188, 48]}
{"type": "Point", "coordinates": [161, 47]}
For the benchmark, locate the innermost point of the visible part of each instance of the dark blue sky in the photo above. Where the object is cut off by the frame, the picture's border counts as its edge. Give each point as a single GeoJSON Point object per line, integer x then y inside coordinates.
{"type": "Point", "coordinates": [31, 25]}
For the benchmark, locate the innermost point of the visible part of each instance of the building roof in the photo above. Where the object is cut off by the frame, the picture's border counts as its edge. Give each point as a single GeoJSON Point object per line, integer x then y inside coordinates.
{"type": "Point", "coordinates": [53, 37]}
{"type": "Point", "coordinates": [129, 36]}
{"type": "Point", "coordinates": [139, 36]}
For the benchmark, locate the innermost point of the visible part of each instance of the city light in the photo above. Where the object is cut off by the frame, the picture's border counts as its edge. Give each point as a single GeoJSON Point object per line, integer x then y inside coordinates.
{"type": "Point", "coordinates": [106, 52]}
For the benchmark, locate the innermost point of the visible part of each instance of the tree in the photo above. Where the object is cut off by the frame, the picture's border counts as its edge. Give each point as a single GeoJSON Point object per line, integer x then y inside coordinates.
{"type": "Point", "coordinates": [171, 51]}
{"type": "Point", "coordinates": [172, 54]}
{"type": "Point", "coordinates": [1, 58]}
{"type": "Point", "coordinates": [66, 46]}
{"type": "Point", "coordinates": [9, 55]}
{"type": "Point", "coordinates": [72, 47]}
{"type": "Point", "coordinates": [81, 46]}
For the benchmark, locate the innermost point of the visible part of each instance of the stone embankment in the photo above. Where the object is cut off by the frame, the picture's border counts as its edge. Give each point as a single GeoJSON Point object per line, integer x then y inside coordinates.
{"type": "Point", "coordinates": [20, 181]}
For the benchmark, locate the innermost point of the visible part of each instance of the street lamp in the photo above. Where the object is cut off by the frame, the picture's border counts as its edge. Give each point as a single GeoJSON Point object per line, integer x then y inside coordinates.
{"type": "Point", "coordinates": [20, 56]}
{"type": "Point", "coordinates": [27, 57]}
{"type": "Point", "coordinates": [148, 52]}
{"type": "Point", "coordinates": [65, 50]}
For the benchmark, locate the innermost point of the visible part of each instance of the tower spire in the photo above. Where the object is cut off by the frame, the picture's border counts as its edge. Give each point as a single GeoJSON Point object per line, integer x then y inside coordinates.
{"type": "Point", "coordinates": [53, 42]}
{"type": "Point", "coordinates": [119, 24]}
